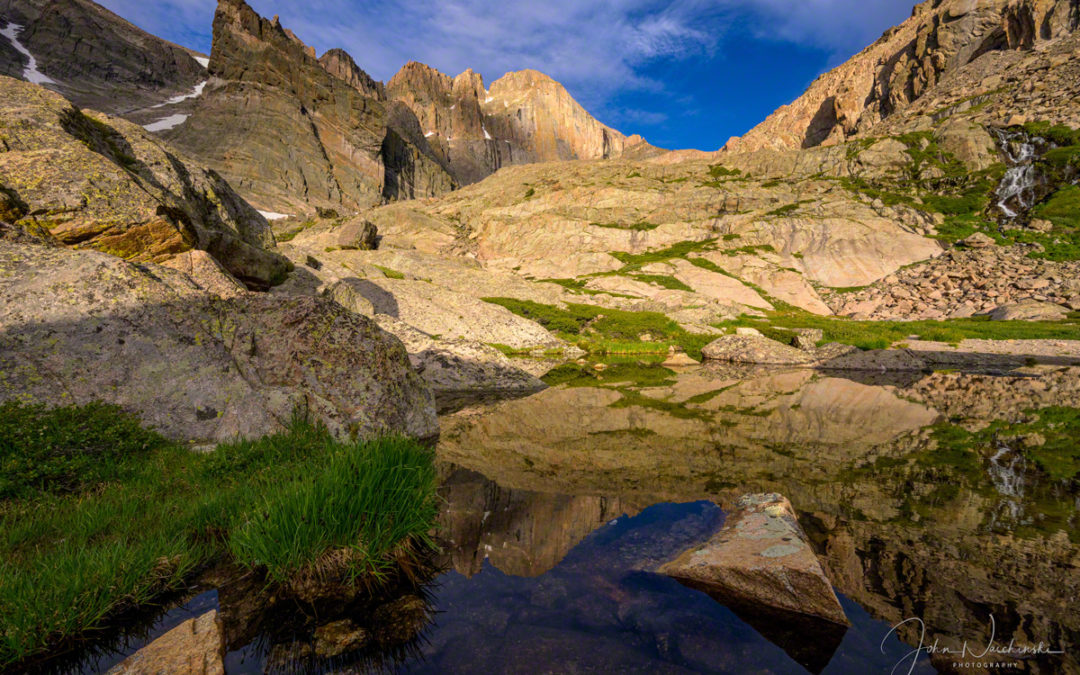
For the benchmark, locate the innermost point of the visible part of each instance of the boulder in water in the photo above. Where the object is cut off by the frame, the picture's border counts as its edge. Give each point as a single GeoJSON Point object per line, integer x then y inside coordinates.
{"type": "Point", "coordinates": [195, 647]}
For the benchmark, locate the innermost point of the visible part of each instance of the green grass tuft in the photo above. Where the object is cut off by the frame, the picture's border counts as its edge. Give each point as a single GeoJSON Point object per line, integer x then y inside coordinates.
{"type": "Point", "coordinates": [601, 330]}
{"type": "Point", "coordinates": [390, 273]}
{"type": "Point", "coordinates": [883, 334]}
{"type": "Point", "coordinates": [141, 526]}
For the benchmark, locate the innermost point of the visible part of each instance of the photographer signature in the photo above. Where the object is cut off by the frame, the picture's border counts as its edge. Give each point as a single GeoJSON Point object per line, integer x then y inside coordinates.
{"type": "Point", "coordinates": [991, 649]}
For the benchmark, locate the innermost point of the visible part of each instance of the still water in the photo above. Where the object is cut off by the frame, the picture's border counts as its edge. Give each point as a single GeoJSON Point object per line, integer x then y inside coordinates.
{"type": "Point", "coordinates": [948, 499]}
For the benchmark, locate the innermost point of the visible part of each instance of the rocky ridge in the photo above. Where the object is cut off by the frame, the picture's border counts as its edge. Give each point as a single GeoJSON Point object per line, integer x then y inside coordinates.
{"type": "Point", "coordinates": [94, 57]}
{"type": "Point", "coordinates": [290, 135]}
{"type": "Point", "coordinates": [939, 39]}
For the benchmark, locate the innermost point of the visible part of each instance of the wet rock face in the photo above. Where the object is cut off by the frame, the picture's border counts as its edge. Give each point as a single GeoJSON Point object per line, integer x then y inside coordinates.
{"type": "Point", "coordinates": [762, 565]}
{"type": "Point", "coordinates": [100, 182]}
{"type": "Point", "coordinates": [195, 647]}
{"type": "Point", "coordinates": [97, 59]}
{"type": "Point", "coordinates": [293, 135]}
{"type": "Point", "coordinates": [77, 326]}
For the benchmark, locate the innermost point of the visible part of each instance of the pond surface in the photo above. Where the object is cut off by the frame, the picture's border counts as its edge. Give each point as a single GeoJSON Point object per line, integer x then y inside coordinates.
{"type": "Point", "coordinates": [947, 499]}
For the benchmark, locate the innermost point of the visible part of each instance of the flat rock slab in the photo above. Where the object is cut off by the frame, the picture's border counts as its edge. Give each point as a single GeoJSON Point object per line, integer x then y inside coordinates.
{"type": "Point", "coordinates": [755, 349]}
{"type": "Point", "coordinates": [1029, 310]}
{"type": "Point", "coordinates": [195, 647]}
{"type": "Point", "coordinates": [761, 557]}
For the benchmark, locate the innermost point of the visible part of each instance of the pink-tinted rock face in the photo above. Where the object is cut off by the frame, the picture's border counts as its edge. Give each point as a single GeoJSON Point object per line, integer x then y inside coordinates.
{"type": "Point", "coordinates": [525, 117]}
{"type": "Point", "coordinates": [939, 39]}
{"type": "Point", "coordinates": [292, 132]}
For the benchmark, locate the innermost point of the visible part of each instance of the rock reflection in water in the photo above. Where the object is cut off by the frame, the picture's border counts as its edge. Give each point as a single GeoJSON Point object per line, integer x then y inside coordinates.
{"type": "Point", "coordinates": [906, 525]}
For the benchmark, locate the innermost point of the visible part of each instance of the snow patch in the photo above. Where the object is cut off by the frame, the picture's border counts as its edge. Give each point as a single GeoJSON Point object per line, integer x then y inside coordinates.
{"type": "Point", "coordinates": [203, 61]}
{"type": "Point", "coordinates": [489, 99]}
{"type": "Point", "coordinates": [453, 106]}
{"type": "Point", "coordinates": [270, 215]}
{"type": "Point", "coordinates": [487, 136]}
{"type": "Point", "coordinates": [31, 72]}
{"type": "Point", "coordinates": [429, 134]}
{"type": "Point", "coordinates": [195, 93]}
{"type": "Point", "coordinates": [166, 123]}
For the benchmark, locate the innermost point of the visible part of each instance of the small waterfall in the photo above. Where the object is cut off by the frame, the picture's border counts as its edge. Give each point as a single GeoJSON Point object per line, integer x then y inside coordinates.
{"type": "Point", "coordinates": [1007, 468]}
{"type": "Point", "coordinates": [1023, 185]}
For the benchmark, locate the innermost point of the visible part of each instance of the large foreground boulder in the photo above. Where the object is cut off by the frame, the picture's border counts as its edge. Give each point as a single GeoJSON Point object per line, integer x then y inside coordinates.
{"type": "Point", "coordinates": [77, 326]}
{"type": "Point", "coordinates": [100, 182]}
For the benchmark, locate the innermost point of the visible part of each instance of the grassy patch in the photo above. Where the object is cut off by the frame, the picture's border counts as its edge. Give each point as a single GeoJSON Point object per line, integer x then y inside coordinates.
{"type": "Point", "coordinates": [787, 209]}
{"type": "Point", "coordinates": [883, 334]}
{"type": "Point", "coordinates": [67, 450]}
{"type": "Point", "coordinates": [1062, 209]}
{"type": "Point", "coordinates": [749, 250]}
{"type": "Point", "coordinates": [664, 281]}
{"type": "Point", "coordinates": [1058, 134]}
{"type": "Point", "coordinates": [291, 234]}
{"type": "Point", "coordinates": [128, 533]}
{"type": "Point", "coordinates": [600, 330]}
{"type": "Point", "coordinates": [635, 261]}
{"type": "Point", "coordinates": [718, 171]}
{"type": "Point", "coordinates": [390, 273]}
{"type": "Point", "coordinates": [643, 226]}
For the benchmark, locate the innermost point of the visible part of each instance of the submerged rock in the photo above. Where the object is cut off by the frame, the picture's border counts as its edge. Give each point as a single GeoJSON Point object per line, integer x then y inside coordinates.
{"type": "Point", "coordinates": [195, 647]}
{"type": "Point", "coordinates": [338, 637]}
{"type": "Point", "coordinates": [761, 557]}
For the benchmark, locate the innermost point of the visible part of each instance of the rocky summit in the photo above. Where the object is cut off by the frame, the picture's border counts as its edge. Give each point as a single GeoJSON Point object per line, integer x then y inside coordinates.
{"type": "Point", "coordinates": [525, 117]}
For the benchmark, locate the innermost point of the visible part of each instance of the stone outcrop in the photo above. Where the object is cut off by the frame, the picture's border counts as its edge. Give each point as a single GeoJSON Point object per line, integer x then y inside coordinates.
{"type": "Point", "coordinates": [100, 182]}
{"type": "Point", "coordinates": [762, 566]}
{"type": "Point", "coordinates": [80, 326]}
{"type": "Point", "coordinates": [939, 39]}
{"type": "Point", "coordinates": [761, 556]}
{"type": "Point", "coordinates": [525, 117]}
{"type": "Point", "coordinates": [756, 349]}
{"type": "Point", "coordinates": [292, 136]}
{"type": "Point", "coordinates": [1029, 310]}
{"type": "Point", "coordinates": [195, 647]}
{"type": "Point", "coordinates": [94, 57]}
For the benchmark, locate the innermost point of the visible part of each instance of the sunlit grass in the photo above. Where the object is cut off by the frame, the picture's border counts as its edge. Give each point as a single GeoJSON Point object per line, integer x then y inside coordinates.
{"type": "Point", "coordinates": [79, 551]}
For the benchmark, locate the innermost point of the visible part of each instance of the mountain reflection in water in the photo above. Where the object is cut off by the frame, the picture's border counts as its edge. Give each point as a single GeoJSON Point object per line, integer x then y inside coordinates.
{"type": "Point", "coordinates": [907, 519]}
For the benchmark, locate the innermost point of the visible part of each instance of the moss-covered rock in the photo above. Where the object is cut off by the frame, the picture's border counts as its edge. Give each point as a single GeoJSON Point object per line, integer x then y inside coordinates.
{"type": "Point", "coordinates": [104, 183]}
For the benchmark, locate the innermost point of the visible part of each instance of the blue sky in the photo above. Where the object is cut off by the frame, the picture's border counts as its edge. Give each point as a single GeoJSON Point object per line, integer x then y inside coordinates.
{"type": "Point", "coordinates": [682, 73]}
